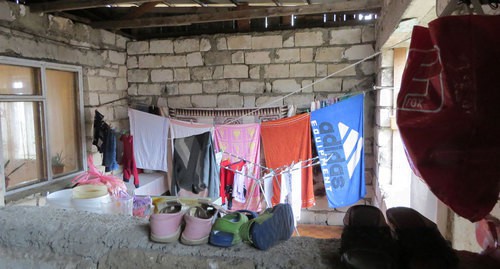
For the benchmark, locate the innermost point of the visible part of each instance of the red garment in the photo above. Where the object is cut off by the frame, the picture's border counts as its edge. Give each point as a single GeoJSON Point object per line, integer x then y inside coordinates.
{"type": "Point", "coordinates": [227, 178]}
{"type": "Point", "coordinates": [285, 141]}
{"type": "Point", "coordinates": [128, 160]}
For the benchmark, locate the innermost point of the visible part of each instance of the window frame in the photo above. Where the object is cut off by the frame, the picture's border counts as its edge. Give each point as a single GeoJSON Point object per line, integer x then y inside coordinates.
{"type": "Point", "coordinates": [51, 183]}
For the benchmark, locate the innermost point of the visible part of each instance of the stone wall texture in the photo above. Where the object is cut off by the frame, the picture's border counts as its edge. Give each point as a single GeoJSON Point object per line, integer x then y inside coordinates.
{"type": "Point", "coordinates": [101, 54]}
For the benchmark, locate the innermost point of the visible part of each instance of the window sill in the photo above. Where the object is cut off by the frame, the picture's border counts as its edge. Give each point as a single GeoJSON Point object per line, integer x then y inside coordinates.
{"type": "Point", "coordinates": [50, 186]}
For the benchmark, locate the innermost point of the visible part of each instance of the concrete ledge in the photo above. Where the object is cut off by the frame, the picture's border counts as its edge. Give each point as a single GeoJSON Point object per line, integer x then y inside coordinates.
{"type": "Point", "coordinates": [44, 237]}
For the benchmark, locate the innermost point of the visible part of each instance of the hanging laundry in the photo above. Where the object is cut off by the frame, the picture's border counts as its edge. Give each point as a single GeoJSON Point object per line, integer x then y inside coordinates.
{"type": "Point", "coordinates": [285, 141]}
{"type": "Point", "coordinates": [150, 134]}
{"type": "Point", "coordinates": [194, 165]}
{"type": "Point", "coordinates": [291, 189]}
{"type": "Point", "coordinates": [338, 135]}
{"type": "Point", "coordinates": [128, 160]}
{"type": "Point", "coordinates": [242, 140]}
{"type": "Point", "coordinates": [239, 187]}
{"type": "Point", "coordinates": [227, 176]}
{"type": "Point", "coordinates": [100, 127]}
{"type": "Point", "coordinates": [268, 187]}
{"type": "Point", "coordinates": [109, 151]}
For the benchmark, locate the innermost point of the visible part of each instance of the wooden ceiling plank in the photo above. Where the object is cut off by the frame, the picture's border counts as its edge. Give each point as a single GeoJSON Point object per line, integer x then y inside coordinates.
{"type": "Point", "coordinates": [62, 5]}
{"type": "Point", "coordinates": [277, 3]}
{"type": "Point", "coordinates": [354, 5]}
{"type": "Point", "coordinates": [141, 10]}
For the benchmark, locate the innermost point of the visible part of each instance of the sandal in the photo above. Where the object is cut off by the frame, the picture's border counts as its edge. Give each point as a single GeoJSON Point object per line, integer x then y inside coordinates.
{"type": "Point", "coordinates": [226, 230]}
{"type": "Point", "coordinates": [198, 221]}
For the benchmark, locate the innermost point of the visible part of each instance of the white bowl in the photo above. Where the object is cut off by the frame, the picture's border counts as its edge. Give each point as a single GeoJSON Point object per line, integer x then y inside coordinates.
{"type": "Point", "coordinates": [60, 199]}
{"type": "Point", "coordinates": [91, 204]}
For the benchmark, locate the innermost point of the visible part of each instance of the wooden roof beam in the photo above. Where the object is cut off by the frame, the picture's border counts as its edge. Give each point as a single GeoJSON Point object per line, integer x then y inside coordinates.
{"type": "Point", "coordinates": [141, 10]}
{"type": "Point", "coordinates": [62, 5]}
{"type": "Point", "coordinates": [345, 6]}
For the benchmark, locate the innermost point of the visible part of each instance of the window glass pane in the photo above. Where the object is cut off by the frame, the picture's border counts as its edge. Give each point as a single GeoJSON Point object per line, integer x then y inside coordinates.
{"type": "Point", "coordinates": [19, 80]}
{"type": "Point", "coordinates": [22, 143]}
{"type": "Point", "coordinates": [63, 128]}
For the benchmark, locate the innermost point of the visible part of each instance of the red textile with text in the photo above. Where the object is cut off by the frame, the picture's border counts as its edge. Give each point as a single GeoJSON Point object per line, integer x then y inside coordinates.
{"type": "Point", "coordinates": [448, 112]}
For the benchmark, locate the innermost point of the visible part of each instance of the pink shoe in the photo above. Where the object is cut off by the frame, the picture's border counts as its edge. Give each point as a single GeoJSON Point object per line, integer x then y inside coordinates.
{"type": "Point", "coordinates": [199, 222]}
{"type": "Point", "coordinates": [166, 225]}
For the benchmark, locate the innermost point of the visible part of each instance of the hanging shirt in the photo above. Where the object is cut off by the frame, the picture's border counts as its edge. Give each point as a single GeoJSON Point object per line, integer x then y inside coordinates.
{"type": "Point", "coordinates": [128, 160]}
{"type": "Point", "coordinates": [268, 188]}
{"type": "Point", "coordinates": [239, 190]}
{"type": "Point", "coordinates": [150, 134]}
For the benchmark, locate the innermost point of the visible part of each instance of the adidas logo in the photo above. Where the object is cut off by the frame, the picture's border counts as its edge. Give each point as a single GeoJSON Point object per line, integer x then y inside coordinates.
{"type": "Point", "coordinates": [352, 144]}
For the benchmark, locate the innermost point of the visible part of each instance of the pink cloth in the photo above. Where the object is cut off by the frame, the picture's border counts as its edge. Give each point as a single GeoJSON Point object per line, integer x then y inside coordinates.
{"type": "Point", "coordinates": [242, 140]}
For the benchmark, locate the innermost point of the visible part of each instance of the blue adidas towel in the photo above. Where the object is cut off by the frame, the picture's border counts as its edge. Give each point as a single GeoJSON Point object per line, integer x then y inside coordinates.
{"type": "Point", "coordinates": [338, 135]}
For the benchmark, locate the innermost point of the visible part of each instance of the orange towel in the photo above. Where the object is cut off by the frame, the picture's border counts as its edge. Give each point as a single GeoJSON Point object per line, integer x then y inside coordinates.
{"type": "Point", "coordinates": [285, 141]}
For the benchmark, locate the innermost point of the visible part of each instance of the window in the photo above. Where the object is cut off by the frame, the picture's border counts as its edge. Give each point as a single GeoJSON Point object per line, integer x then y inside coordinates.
{"type": "Point", "coordinates": [41, 117]}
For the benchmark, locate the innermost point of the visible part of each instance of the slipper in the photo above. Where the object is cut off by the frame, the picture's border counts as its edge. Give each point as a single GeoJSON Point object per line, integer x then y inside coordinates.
{"type": "Point", "coordinates": [419, 240]}
{"type": "Point", "coordinates": [226, 230]}
{"type": "Point", "coordinates": [250, 214]}
{"type": "Point", "coordinates": [198, 221]}
{"type": "Point", "coordinates": [366, 240]}
{"type": "Point", "coordinates": [166, 224]}
{"type": "Point", "coordinates": [269, 228]}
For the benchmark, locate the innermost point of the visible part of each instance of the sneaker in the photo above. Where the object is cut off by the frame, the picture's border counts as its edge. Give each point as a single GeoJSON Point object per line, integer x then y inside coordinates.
{"type": "Point", "coordinates": [226, 230]}
{"type": "Point", "coordinates": [269, 228]}
{"type": "Point", "coordinates": [420, 243]}
{"type": "Point", "coordinates": [199, 222]}
{"type": "Point", "coordinates": [166, 224]}
{"type": "Point", "coordinates": [366, 241]}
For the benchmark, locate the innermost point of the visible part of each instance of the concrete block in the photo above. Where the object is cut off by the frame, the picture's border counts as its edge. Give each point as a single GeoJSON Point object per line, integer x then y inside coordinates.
{"type": "Point", "coordinates": [218, 72]}
{"type": "Point", "coordinates": [215, 86]}
{"type": "Point", "coordinates": [309, 39]}
{"type": "Point", "coordinates": [190, 88]}
{"type": "Point", "coordinates": [221, 43]}
{"type": "Point", "coordinates": [137, 47]}
{"type": "Point", "coordinates": [150, 61]}
{"type": "Point", "coordinates": [321, 70]}
{"type": "Point", "coordinates": [252, 87]}
{"type": "Point", "coordinates": [248, 101]}
{"type": "Point", "coordinates": [267, 42]}
{"type": "Point", "coordinates": [239, 42]}
{"type": "Point", "coordinates": [150, 89]}
{"type": "Point", "coordinates": [122, 71]}
{"type": "Point", "coordinates": [289, 42]}
{"type": "Point", "coordinates": [132, 89]}
{"type": "Point", "coordinates": [329, 54]}
{"type": "Point", "coordinates": [121, 112]}
{"type": "Point", "coordinates": [217, 57]}
{"type": "Point", "coordinates": [136, 75]}
{"type": "Point", "coordinates": [132, 62]}
{"type": "Point", "coordinates": [181, 74]}
{"type": "Point", "coordinates": [277, 71]}
{"type": "Point", "coordinates": [306, 55]}
{"type": "Point", "coordinates": [108, 73]}
{"type": "Point", "coordinates": [266, 99]}
{"type": "Point", "coordinates": [179, 102]}
{"type": "Point", "coordinates": [385, 97]}
{"type": "Point", "coordinates": [383, 117]}
{"type": "Point", "coordinates": [161, 46]}
{"type": "Point", "coordinates": [194, 59]}
{"type": "Point", "coordinates": [255, 72]}
{"type": "Point", "coordinates": [205, 44]}
{"type": "Point", "coordinates": [302, 70]}
{"type": "Point", "coordinates": [386, 77]}
{"type": "Point", "coordinates": [384, 175]}
{"type": "Point", "coordinates": [93, 98]}
{"type": "Point", "coordinates": [235, 71]}
{"type": "Point", "coordinates": [238, 57]}
{"type": "Point", "coordinates": [346, 70]}
{"type": "Point", "coordinates": [174, 61]}
{"type": "Point", "coordinates": [233, 85]}
{"type": "Point", "coordinates": [285, 86]}
{"type": "Point", "coordinates": [121, 84]}
{"type": "Point", "coordinates": [328, 85]}
{"type": "Point", "coordinates": [121, 41]}
{"type": "Point", "coordinates": [162, 75]}
{"type": "Point", "coordinates": [358, 52]}
{"type": "Point", "coordinates": [387, 58]}
{"type": "Point", "coordinates": [368, 34]}
{"type": "Point", "coordinates": [288, 56]}
{"type": "Point", "coordinates": [259, 57]}
{"type": "Point", "coordinates": [97, 83]}
{"type": "Point", "coordinates": [108, 97]}
{"type": "Point", "coordinates": [300, 100]}
{"type": "Point", "coordinates": [352, 84]}
{"type": "Point", "coordinates": [107, 37]}
{"type": "Point", "coordinates": [367, 67]}
{"type": "Point", "coordinates": [204, 100]}
{"type": "Point", "coordinates": [201, 73]}
{"type": "Point", "coordinates": [341, 36]}
{"type": "Point", "coordinates": [6, 13]}
{"type": "Point", "coordinates": [186, 45]}
{"type": "Point", "coordinates": [307, 86]}
{"type": "Point", "coordinates": [230, 100]}
{"type": "Point", "coordinates": [172, 89]}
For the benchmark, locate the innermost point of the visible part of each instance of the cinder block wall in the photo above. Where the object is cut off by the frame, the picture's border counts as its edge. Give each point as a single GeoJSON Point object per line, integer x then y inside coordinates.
{"type": "Point", "coordinates": [249, 70]}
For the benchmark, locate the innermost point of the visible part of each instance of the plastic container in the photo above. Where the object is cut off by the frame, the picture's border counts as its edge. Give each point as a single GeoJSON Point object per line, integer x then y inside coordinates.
{"type": "Point", "coordinates": [119, 206]}
{"type": "Point", "coordinates": [89, 191]}
{"type": "Point", "coordinates": [60, 199]}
